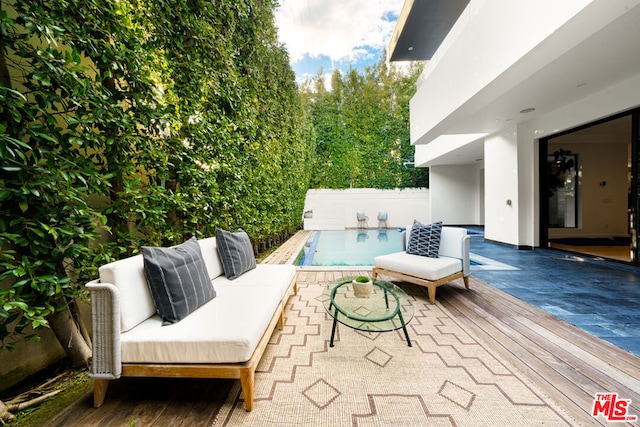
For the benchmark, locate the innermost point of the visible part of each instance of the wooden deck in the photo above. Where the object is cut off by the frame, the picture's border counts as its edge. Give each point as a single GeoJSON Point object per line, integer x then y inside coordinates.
{"type": "Point", "coordinates": [566, 363]}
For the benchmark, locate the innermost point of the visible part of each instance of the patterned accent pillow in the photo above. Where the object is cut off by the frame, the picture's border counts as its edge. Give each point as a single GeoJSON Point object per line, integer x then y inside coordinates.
{"type": "Point", "coordinates": [236, 252]}
{"type": "Point", "coordinates": [178, 279]}
{"type": "Point", "coordinates": [424, 240]}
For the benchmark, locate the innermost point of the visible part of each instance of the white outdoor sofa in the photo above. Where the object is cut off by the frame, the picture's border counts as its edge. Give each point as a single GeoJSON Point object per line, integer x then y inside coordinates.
{"type": "Point", "coordinates": [452, 262]}
{"type": "Point", "coordinates": [224, 338]}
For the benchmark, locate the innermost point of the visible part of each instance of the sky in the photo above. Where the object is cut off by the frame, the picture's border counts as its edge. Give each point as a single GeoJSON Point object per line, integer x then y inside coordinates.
{"type": "Point", "coordinates": [335, 33]}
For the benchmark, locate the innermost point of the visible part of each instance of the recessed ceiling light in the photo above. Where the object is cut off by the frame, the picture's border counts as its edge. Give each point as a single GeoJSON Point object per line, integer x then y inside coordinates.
{"type": "Point", "coordinates": [527, 110]}
{"type": "Point", "coordinates": [410, 48]}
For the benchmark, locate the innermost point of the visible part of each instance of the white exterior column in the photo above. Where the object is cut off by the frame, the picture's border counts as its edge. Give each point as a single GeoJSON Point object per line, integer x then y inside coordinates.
{"type": "Point", "coordinates": [501, 186]}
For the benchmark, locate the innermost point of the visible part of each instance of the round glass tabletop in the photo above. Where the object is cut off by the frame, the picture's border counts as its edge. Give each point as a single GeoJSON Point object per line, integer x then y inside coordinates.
{"type": "Point", "coordinates": [387, 308]}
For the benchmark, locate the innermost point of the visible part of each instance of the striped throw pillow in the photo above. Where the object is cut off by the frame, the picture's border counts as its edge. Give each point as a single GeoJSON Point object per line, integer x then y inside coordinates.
{"type": "Point", "coordinates": [424, 240]}
{"type": "Point", "coordinates": [178, 279]}
{"type": "Point", "coordinates": [236, 252]}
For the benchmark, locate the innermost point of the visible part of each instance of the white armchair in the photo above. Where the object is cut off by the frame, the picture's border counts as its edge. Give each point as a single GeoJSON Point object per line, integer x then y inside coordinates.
{"type": "Point", "coordinates": [452, 263]}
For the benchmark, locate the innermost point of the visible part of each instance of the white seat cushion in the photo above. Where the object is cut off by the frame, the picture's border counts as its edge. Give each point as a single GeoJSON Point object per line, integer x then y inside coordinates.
{"type": "Point", "coordinates": [227, 329]}
{"type": "Point", "coordinates": [270, 275]}
{"type": "Point", "coordinates": [419, 266]}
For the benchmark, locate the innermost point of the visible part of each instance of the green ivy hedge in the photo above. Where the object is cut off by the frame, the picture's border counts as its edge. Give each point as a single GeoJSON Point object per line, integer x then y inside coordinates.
{"type": "Point", "coordinates": [125, 123]}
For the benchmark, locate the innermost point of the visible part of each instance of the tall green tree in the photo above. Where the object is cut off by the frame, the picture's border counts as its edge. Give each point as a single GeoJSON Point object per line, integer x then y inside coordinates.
{"type": "Point", "coordinates": [362, 128]}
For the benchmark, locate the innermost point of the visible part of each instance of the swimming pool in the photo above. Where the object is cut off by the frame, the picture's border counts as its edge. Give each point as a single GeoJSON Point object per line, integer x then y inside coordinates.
{"type": "Point", "coordinates": [348, 247]}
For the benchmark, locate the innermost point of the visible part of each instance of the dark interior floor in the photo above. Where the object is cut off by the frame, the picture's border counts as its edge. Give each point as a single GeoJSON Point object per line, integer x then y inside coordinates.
{"type": "Point", "coordinates": [619, 250]}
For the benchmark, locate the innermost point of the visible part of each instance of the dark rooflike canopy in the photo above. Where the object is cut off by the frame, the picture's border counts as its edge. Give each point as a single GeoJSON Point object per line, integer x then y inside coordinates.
{"type": "Point", "coordinates": [421, 28]}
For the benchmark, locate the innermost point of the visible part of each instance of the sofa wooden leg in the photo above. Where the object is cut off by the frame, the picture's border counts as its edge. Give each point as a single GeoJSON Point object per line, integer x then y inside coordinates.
{"type": "Point", "coordinates": [247, 378]}
{"type": "Point", "coordinates": [431, 290]}
{"type": "Point", "coordinates": [281, 320]}
{"type": "Point", "coordinates": [466, 281]}
{"type": "Point", "coordinates": [99, 391]}
{"type": "Point", "coordinates": [374, 273]}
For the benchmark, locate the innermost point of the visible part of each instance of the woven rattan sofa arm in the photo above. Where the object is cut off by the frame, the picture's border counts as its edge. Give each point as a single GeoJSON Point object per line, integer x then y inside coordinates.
{"type": "Point", "coordinates": [105, 314]}
{"type": "Point", "coordinates": [466, 262]}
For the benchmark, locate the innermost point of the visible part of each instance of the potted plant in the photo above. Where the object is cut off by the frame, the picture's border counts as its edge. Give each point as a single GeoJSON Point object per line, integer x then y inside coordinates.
{"type": "Point", "coordinates": [362, 286]}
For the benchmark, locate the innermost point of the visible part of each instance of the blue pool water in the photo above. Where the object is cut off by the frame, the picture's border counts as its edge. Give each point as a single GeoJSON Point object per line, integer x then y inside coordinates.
{"type": "Point", "coordinates": [348, 247]}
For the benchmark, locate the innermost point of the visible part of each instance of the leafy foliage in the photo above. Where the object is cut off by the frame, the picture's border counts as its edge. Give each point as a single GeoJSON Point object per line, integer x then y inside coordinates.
{"type": "Point", "coordinates": [362, 128]}
{"type": "Point", "coordinates": [139, 122]}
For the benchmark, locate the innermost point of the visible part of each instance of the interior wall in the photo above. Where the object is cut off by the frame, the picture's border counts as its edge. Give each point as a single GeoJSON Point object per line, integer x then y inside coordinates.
{"type": "Point", "coordinates": [481, 214]}
{"type": "Point", "coordinates": [455, 194]}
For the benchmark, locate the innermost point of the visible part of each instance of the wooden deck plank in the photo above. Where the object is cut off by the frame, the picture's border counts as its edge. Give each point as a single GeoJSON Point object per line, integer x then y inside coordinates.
{"type": "Point", "coordinates": [561, 373]}
{"type": "Point", "coordinates": [600, 355]}
{"type": "Point", "coordinates": [287, 252]}
{"type": "Point", "coordinates": [579, 350]}
{"type": "Point", "coordinates": [542, 367]}
{"type": "Point", "coordinates": [568, 364]}
{"type": "Point", "coordinates": [534, 325]}
{"type": "Point", "coordinates": [625, 362]}
{"type": "Point", "coordinates": [511, 350]}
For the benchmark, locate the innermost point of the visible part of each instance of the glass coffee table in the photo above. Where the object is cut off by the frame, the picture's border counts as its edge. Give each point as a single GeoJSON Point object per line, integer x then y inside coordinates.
{"type": "Point", "coordinates": [388, 308]}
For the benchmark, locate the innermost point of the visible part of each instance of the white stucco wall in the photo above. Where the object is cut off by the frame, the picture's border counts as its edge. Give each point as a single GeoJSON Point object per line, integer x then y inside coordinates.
{"type": "Point", "coordinates": [528, 184]}
{"type": "Point", "coordinates": [336, 209]}
{"type": "Point", "coordinates": [501, 187]}
{"type": "Point", "coordinates": [511, 169]}
{"type": "Point", "coordinates": [455, 194]}
{"type": "Point", "coordinates": [463, 67]}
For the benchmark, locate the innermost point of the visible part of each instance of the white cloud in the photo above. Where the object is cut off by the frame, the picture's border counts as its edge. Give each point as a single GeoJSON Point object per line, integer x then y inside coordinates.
{"type": "Point", "coordinates": [339, 29]}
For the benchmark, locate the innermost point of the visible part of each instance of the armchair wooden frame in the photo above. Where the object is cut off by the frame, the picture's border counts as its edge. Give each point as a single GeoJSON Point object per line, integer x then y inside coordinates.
{"type": "Point", "coordinates": [429, 284]}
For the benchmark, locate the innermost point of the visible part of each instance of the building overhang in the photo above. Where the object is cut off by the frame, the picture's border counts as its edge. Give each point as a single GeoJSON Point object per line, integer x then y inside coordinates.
{"type": "Point", "coordinates": [493, 73]}
{"type": "Point", "coordinates": [421, 27]}
{"type": "Point", "coordinates": [451, 150]}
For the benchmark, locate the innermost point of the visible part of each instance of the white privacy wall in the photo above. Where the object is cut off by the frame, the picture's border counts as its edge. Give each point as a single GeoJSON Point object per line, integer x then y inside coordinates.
{"type": "Point", "coordinates": [336, 209]}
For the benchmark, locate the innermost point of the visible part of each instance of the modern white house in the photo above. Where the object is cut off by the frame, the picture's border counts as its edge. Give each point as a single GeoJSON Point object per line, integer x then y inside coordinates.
{"type": "Point", "coordinates": [507, 85]}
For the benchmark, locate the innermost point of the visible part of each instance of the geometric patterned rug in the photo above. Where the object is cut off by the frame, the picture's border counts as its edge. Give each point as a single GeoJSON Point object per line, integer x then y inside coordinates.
{"type": "Point", "coordinates": [447, 378]}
